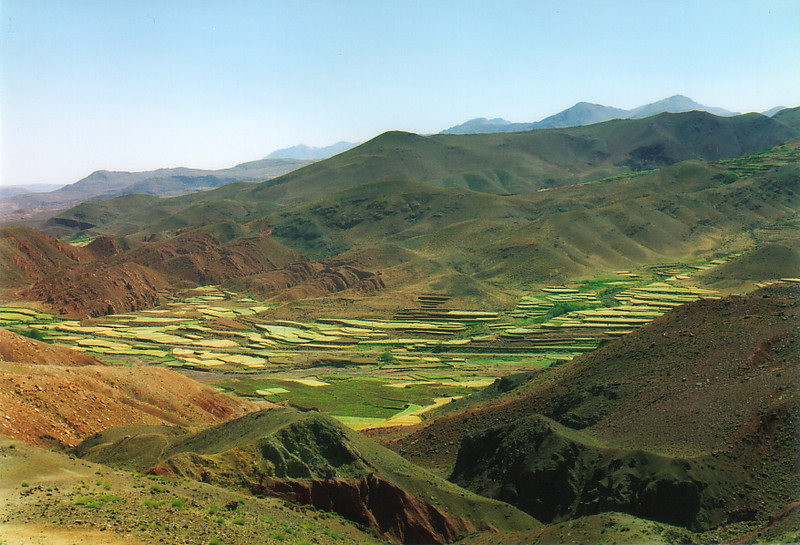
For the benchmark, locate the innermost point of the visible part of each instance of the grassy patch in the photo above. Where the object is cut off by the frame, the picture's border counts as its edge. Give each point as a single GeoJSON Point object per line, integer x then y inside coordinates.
{"type": "Point", "coordinates": [357, 397]}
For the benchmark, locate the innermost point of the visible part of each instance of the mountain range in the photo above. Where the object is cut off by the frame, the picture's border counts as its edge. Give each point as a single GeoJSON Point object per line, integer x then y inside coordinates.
{"type": "Point", "coordinates": [469, 212]}
{"type": "Point", "coordinates": [586, 113]}
{"type": "Point", "coordinates": [164, 182]}
{"type": "Point", "coordinates": [582, 334]}
{"type": "Point", "coordinates": [301, 151]}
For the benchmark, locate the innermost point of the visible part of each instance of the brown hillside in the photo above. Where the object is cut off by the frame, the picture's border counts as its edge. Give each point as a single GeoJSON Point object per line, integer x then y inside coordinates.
{"type": "Point", "coordinates": [99, 289]}
{"type": "Point", "coordinates": [203, 258]}
{"type": "Point", "coordinates": [310, 279]}
{"type": "Point", "coordinates": [27, 255]}
{"type": "Point", "coordinates": [691, 422]}
{"type": "Point", "coordinates": [56, 396]}
{"type": "Point", "coordinates": [765, 262]}
{"type": "Point", "coordinates": [19, 349]}
{"type": "Point", "coordinates": [683, 384]}
{"type": "Point", "coordinates": [61, 406]}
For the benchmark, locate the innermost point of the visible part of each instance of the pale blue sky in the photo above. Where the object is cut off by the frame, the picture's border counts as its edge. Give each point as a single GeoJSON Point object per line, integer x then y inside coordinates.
{"type": "Point", "coordinates": [136, 85]}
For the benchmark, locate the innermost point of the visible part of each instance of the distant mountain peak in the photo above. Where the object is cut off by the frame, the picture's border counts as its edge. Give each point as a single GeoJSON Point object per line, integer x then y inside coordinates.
{"type": "Point", "coordinates": [587, 113]}
{"type": "Point", "coordinates": [302, 151]}
{"type": "Point", "coordinates": [479, 124]}
{"type": "Point", "coordinates": [676, 104]}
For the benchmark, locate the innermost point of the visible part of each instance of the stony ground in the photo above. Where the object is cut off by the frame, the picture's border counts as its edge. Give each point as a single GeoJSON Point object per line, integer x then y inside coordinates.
{"type": "Point", "coordinates": [50, 498]}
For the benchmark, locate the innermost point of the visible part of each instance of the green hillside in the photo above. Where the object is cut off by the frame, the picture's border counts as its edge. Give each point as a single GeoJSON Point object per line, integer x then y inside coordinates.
{"type": "Point", "coordinates": [312, 459]}
{"type": "Point", "coordinates": [521, 162]}
{"type": "Point", "coordinates": [789, 116]}
{"type": "Point", "coordinates": [467, 243]}
{"type": "Point", "coordinates": [508, 163]}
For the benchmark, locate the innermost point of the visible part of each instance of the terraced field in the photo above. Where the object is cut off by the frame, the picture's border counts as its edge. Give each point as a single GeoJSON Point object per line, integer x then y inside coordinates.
{"type": "Point", "coordinates": [372, 372]}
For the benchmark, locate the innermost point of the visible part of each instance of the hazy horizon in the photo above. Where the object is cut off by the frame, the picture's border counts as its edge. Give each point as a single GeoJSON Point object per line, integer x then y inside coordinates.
{"type": "Point", "coordinates": [95, 85]}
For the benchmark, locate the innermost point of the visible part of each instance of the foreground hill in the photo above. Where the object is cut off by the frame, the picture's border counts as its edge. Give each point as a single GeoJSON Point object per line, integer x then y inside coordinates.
{"type": "Point", "coordinates": [50, 498]}
{"type": "Point", "coordinates": [689, 421]}
{"type": "Point", "coordinates": [311, 459]}
{"type": "Point", "coordinates": [55, 396]}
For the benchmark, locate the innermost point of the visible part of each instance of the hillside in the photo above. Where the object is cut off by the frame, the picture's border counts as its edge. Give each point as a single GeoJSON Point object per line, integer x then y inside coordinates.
{"type": "Point", "coordinates": [47, 498]}
{"type": "Point", "coordinates": [789, 116]}
{"type": "Point", "coordinates": [57, 397]}
{"type": "Point", "coordinates": [515, 163]}
{"type": "Point", "coordinates": [412, 237]}
{"type": "Point", "coordinates": [687, 421]}
{"type": "Point", "coordinates": [311, 459]}
{"type": "Point", "coordinates": [618, 392]}
{"type": "Point", "coordinates": [163, 182]}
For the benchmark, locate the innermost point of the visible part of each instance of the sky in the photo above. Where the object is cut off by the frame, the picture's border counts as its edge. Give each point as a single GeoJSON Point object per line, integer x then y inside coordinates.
{"type": "Point", "coordinates": [137, 85]}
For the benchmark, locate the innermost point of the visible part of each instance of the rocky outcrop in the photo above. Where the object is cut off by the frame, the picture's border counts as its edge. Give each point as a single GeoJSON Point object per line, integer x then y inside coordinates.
{"type": "Point", "coordinates": [104, 246]}
{"type": "Point", "coordinates": [27, 255]}
{"type": "Point", "coordinates": [99, 289]}
{"type": "Point", "coordinates": [556, 474]}
{"type": "Point", "coordinates": [312, 279]}
{"type": "Point", "coordinates": [374, 503]}
{"type": "Point", "coordinates": [311, 459]}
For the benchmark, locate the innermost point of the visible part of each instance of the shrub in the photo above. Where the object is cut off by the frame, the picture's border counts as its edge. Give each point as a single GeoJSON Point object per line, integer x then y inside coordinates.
{"type": "Point", "coordinates": [85, 501]}
{"type": "Point", "coordinates": [386, 356]}
{"type": "Point", "coordinates": [35, 334]}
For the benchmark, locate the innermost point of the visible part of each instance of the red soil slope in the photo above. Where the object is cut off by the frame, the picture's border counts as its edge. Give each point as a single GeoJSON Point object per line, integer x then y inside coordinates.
{"type": "Point", "coordinates": [57, 399]}
{"type": "Point", "coordinates": [27, 255]}
{"type": "Point", "coordinates": [99, 289]}
{"type": "Point", "coordinates": [16, 348]}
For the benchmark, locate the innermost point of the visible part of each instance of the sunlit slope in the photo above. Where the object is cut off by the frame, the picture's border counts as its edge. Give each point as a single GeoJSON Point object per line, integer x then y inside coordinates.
{"type": "Point", "coordinates": [311, 459]}
{"type": "Point", "coordinates": [511, 163]}
{"type": "Point", "coordinates": [680, 210]}
{"type": "Point", "coordinates": [521, 162]}
{"type": "Point", "coordinates": [424, 237]}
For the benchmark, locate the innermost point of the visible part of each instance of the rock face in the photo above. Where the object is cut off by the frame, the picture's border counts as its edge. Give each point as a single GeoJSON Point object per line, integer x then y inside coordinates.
{"type": "Point", "coordinates": [27, 255]}
{"type": "Point", "coordinates": [203, 258]}
{"type": "Point", "coordinates": [311, 459]}
{"type": "Point", "coordinates": [99, 289]}
{"type": "Point", "coordinates": [556, 474]}
{"type": "Point", "coordinates": [375, 503]}
{"type": "Point", "coordinates": [312, 279]}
